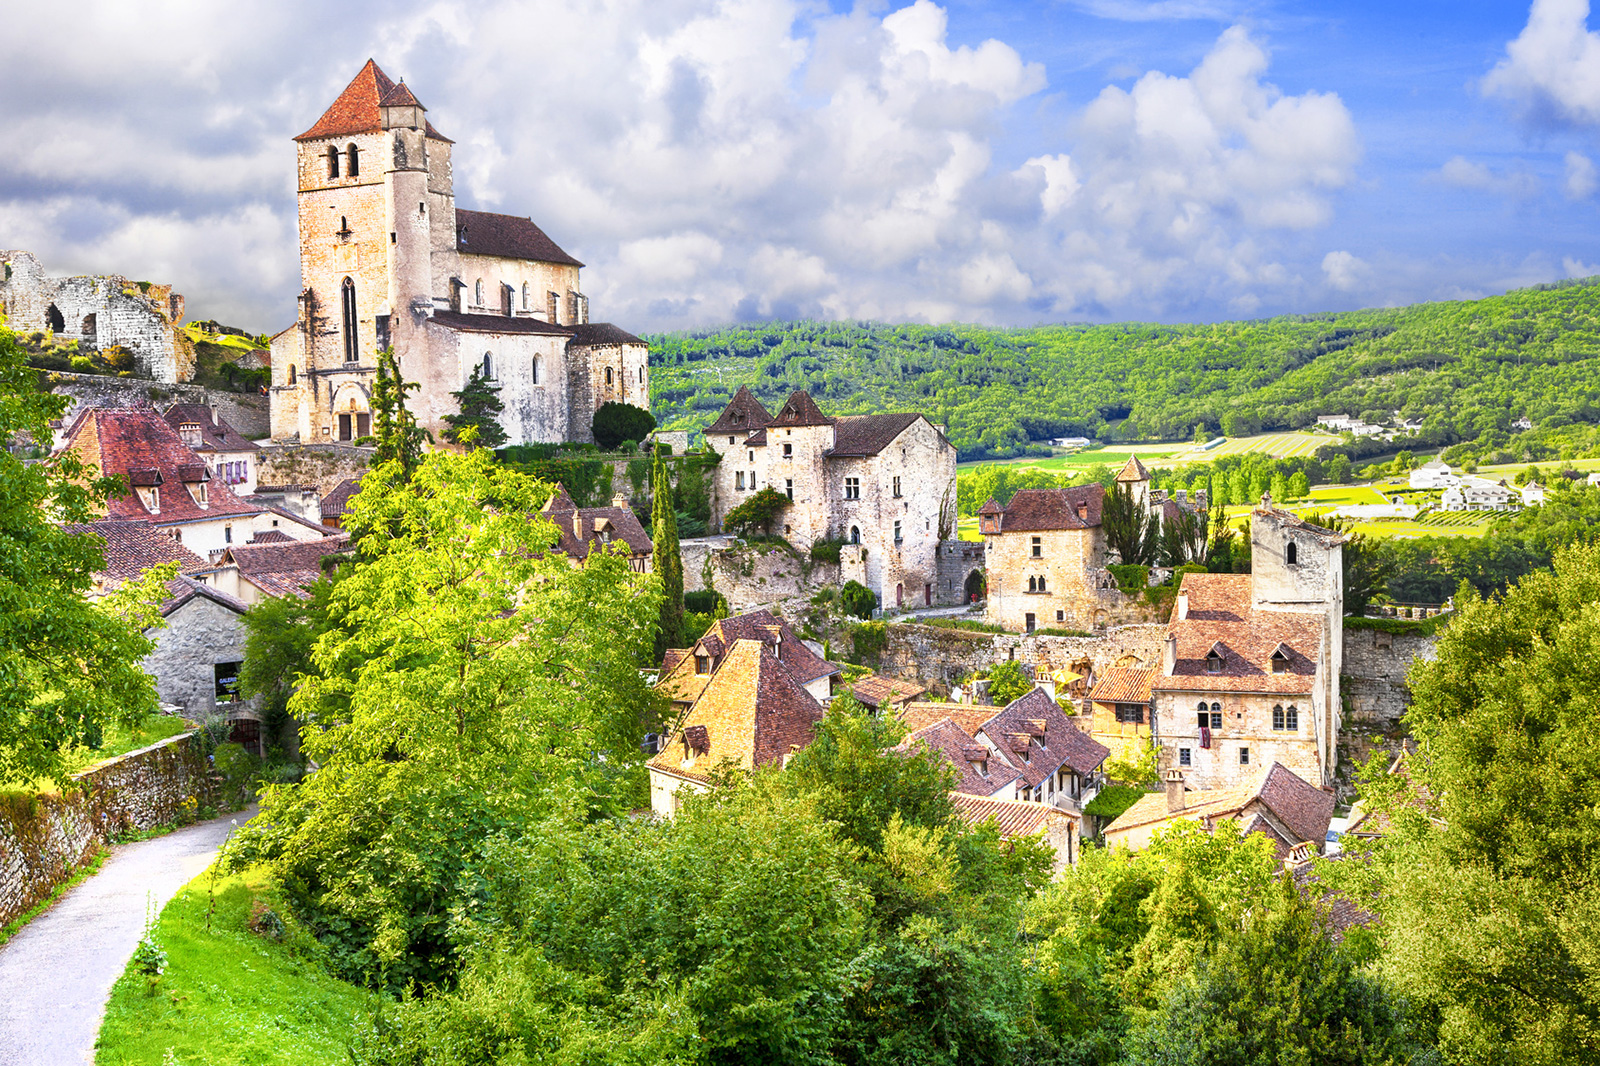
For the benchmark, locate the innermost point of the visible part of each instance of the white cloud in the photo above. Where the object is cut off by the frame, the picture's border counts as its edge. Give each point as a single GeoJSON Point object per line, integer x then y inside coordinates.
{"type": "Point", "coordinates": [1577, 268]}
{"type": "Point", "coordinates": [1345, 272]}
{"type": "Point", "coordinates": [1465, 174]}
{"type": "Point", "coordinates": [1581, 178]}
{"type": "Point", "coordinates": [1551, 71]}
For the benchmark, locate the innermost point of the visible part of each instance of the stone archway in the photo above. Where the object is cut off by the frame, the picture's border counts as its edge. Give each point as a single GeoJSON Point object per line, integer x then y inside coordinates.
{"type": "Point", "coordinates": [53, 319]}
{"type": "Point", "coordinates": [975, 587]}
{"type": "Point", "coordinates": [352, 413]}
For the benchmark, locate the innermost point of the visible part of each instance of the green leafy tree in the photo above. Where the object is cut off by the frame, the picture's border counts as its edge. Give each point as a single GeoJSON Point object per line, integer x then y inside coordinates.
{"type": "Point", "coordinates": [478, 423]}
{"type": "Point", "coordinates": [758, 512]}
{"type": "Point", "coordinates": [476, 683]}
{"type": "Point", "coordinates": [1299, 485]}
{"type": "Point", "coordinates": [668, 560]}
{"type": "Point", "coordinates": [398, 438]}
{"type": "Point", "coordinates": [856, 600]}
{"type": "Point", "coordinates": [69, 666]}
{"type": "Point", "coordinates": [616, 422]}
{"type": "Point", "coordinates": [1339, 469]}
{"type": "Point", "coordinates": [1131, 530]}
{"type": "Point", "coordinates": [1007, 682]}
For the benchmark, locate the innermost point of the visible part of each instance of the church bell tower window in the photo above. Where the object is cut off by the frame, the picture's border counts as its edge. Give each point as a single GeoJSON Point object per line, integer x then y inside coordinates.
{"type": "Point", "coordinates": [352, 350]}
{"type": "Point", "coordinates": [353, 164]}
{"type": "Point", "coordinates": [333, 162]}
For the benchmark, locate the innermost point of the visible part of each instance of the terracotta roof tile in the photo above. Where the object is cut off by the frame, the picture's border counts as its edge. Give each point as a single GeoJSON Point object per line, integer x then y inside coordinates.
{"type": "Point", "coordinates": [581, 527]}
{"type": "Point", "coordinates": [285, 569]}
{"type": "Point", "coordinates": [506, 236]}
{"type": "Point", "coordinates": [955, 745]}
{"type": "Point", "coordinates": [970, 718]}
{"type": "Point", "coordinates": [1047, 509]}
{"type": "Point", "coordinates": [216, 435]}
{"type": "Point", "coordinates": [1061, 743]}
{"type": "Point", "coordinates": [1299, 805]}
{"type": "Point", "coordinates": [868, 434]}
{"type": "Point", "coordinates": [356, 109]}
{"type": "Point", "coordinates": [1221, 616]}
{"type": "Point", "coordinates": [1133, 470]}
{"type": "Point", "coordinates": [744, 414]}
{"type": "Point", "coordinates": [800, 410]}
{"type": "Point", "coordinates": [132, 547]}
{"type": "Point", "coordinates": [876, 690]}
{"type": "Point", "coordinates": [139, 443]}
{"type": "Point", "coordinates": [463, 323]}
{"type": "Point", "coordinates": [1014, 818]}
{"type": "Point", "coordinates": [184, 589]}
{"type": "Point", "coordinates": [805, 664]}
{"type": "Point", "coordinates": [590, 334]}
{"type": "Point", "coordinates": [336, 504]}
{"type": "Point", "coordinates": [1124, 684]}
{"type": "Point", "coordinates": [271, 536]}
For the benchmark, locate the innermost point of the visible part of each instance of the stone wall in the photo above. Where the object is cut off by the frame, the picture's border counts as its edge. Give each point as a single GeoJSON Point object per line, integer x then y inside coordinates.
{"type": "Point", "coordinates": [44, 838]}
{"type": "Point", "coordinates": [322, 465]}
{"type": "Point", "coordinates": [941, 657]}
{"type": "Point", "coordinates": [751, 576]}
{"type": "Point", "coordinates": [245, 412]}
{"type": "Point", "coordinates": [1375, 695]}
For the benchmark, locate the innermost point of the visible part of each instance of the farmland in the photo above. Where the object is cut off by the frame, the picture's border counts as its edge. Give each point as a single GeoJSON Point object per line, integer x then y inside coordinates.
{"type": "Point", "coordinates": [1277, 445]}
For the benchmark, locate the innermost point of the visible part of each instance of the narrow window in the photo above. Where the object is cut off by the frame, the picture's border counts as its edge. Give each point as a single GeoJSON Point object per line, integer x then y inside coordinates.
{"type": "Point", "coordinates": [610, 377]}
{"type": "Point", "coordinates": [1244, 756]}
{"type": "Point", "coordinates": [1038, 547]}
{"type": "Point", "coordinates": [1041, 583]}
{"type": "Point", "coordinates": [897, 487]}
{"type": "Point", "coordinates": [1216, 716]}
{"type": "Point", "coordinates": [641, 375]}
{"type": "Point", "coordinates": [1061, 616]}
{"type": "Point", "coordinates": [1291, 554]}
{"type": "Point", "coordinates": [1291, 719]}
{"type": "Point", "coordinates": [526, 296]}
{"type": "Point", "coordinates": [352, 350]}
{"type": "Point", "coordinates": [1213, 662]}
{"type": "Point", "coordinates": [788, 487]}
{"type": "Point", "coordinates": [738, 480]}
{"type": "Point", "coordinates": [788, 451]}
{"type": "Point", "coordinates": [353, 154]}
{"type": "Point", "coordinates": [1277, 716]}
{"type": "Point", "coordinates": [227, 534]}
{"type": "Point", "coordinates": [855, 534]}
{"type": "Point", "coordinates": [752, 481]}
{"type": "Point", "coordinates": [897, 537]}
{"type": "Point", "coordinates": [1033, 585]}
{"type": "Point", "coordinates": [852, 488]}
{"type": "Point", "coordinates": [477, 292]}
{"type": "Point", "coordinates": [333, 161]}
{"type": "Point", "coordinates": [702, 664]}
{"type": "Point", "coordinates": [536, 370]}
{"type": "Point", "coordinates": [488, 366]}
{"type": "Point", "coordinates": [1185, 758]}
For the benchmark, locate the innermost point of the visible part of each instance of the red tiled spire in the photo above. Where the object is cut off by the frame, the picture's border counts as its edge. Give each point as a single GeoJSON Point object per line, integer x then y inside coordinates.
{"type": "Point", "coordinates": [357, 108]}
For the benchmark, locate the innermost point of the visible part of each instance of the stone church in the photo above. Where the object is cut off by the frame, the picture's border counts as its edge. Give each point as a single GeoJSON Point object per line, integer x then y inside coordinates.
{"type": "Point", "coordinates": [386, 258]}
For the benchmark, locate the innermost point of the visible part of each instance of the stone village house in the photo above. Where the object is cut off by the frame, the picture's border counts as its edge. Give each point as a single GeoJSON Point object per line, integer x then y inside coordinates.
{"type": "Point", "coordinates": [387, 259]}
{"type": "Point", "coordinates": [1274, 801]}
{"type": "Point", "coordinates": [884, 485]}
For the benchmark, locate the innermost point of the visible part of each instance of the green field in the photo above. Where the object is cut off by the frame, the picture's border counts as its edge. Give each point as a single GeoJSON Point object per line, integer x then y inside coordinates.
{"type": "Point", "coordinates": [1277, 445]}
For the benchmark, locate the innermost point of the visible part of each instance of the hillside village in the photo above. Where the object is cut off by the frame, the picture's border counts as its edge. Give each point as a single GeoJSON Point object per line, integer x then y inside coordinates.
{"type": "Point", "coordinates": [436, 562]}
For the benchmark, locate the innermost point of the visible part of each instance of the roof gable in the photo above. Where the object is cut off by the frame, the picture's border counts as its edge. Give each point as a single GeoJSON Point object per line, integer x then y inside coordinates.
{"type": "Point", "coordinates": [744, 414]}
{"type": "Point", "coordinates": [1133, 470]}
{"type": "Point", "coordinates": [139, 444]}
{"type": "Point", "coordinates": [800, 410]}
{"type": "Point", "coordinates": [945, 739]}
{"type": "Point", "coordinates": [1034, 735]}
{"type": "Point", "coordinates": [357, 109]}
{"type": "Point", "coordinates": [508, 237]}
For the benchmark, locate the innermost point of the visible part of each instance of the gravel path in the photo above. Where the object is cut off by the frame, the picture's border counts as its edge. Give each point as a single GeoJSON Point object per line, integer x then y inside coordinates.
{"type": "Point", "coordinates": [56, 975]}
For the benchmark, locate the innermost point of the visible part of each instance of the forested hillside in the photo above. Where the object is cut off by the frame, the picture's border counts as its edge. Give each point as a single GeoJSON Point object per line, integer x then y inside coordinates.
{"type": "Point", "coordinates": [1465, 367]}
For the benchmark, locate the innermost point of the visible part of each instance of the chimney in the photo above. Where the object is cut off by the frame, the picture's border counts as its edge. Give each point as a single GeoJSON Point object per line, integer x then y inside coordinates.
{"type": "Point", "coordinates": [1202, 498]}
{"type": "Point", "coordinates": [619, 500]}
{"type": "Point", "coordinates": [1170, 658]}
{"type": "Point", "coordinates": [1175, 800]}
{"type": "Point", "coordinates": [1183, 606]}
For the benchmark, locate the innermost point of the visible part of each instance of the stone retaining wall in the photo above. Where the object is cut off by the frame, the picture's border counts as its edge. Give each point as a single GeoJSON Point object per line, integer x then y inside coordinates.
{"type": "Point", "coordinates": [44, 838]}
{"type": "Point", "coordinates": [939, 656]}
{"type": "Point", "coordinates": [245, 412]}
{"type": "Point", "coordinates": [322, 465]}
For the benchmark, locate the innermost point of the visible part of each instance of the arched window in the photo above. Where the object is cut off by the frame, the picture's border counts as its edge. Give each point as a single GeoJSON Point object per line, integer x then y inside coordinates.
{"type": "Point", "coordinates": [1216, 708]}
{"type": "Point", "coordinates": [477, 293]}
{"type": "Point", "coordinates": [610, 377]}
{"type": "Point", "coordinates": [488, 366]}
{"type": "Point", "coordinates": [54, 319]}
{"type": "Point", "coordinates": [1277, 716]}
{"type": "Point", "coordinates": [525, 295]}
{"type": "Point", "coordinates": [1033, 584]}
{"type": "Point", "coordinates": [291, 373]}
{"type": "Point", "coordinates": [333, 161]}
{"type": "Point", "coordinates": [1291, 718]}
{"type": "Point", "coordinates": [1291, 554]}
{"type": "Point", "coordinates": [536, 370]}
{"type": "Point", "coordinates": [353, 166]}
{"type": "Point", "coordinates": [641, 374]}
{"type": "Point", "coordinates": [855, 534]}
{"type": "Point", "coordinates": [352, 349]}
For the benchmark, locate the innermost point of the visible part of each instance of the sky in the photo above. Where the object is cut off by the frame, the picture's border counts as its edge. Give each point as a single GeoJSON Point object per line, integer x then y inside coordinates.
{"type": "Point", "coordinates": [717, 161]}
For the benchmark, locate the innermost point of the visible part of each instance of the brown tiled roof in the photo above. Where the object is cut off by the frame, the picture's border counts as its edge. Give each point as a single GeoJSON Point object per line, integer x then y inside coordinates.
{"type": "Point", "coordinates": [589, 334]}
{"type": "Point", "coordinates": [876, 690]}
{"type": "Point", "coordinates": [1124, 684]}
{"type": "Point", "coordinates": [744, 414]}
{"type": "Point", "coordinates": [1133, 470]}
{"type": "Point", "coordinates": [184, 589]}
{"type": "Point", "coordinates": [267, 504]}
{"type": "Point", "coordinates": [1046, 509]}
{"type": "Point", "coordinates": [1302, 807]}
{"type": "Point", "coordinates": [968, 717]}
{"type": "Point", "coordinates": [1034, 724]}
{"type": "Point", "coordinates": [1014, 818]}
{"type": "Point", "coordinates": [868, 434]}
{"type": "Point", "coordinates": [1220, 616]}
{"type": "Point", "coordinates": [463, 323]}
{"type": "Point", "coordinates": [132, 547]}
{"type": "Point", "coordinates": [1280, 847]}
{"type": "Point", "coordinates": [1342, 913]}
{"type": "Point", "coordinates": [215, 433]}
{"type": "Point", "coordinates": [672, 658]}
{"type": "Point", "coordinates": [336, 504]}
{"type": "Point", "coordinates": [753, 711]}
{"type": "Point", "coordinates": [356, 109]}
{"type": "Point", "coordinates": [805, 664]}
{"type": "Point", "coordinates": [800, 410]}
{"type": "Point", "coordinates": [578, 526]}
{"type": "Point", "coordinates": [1298, 804]}
{"type": "Point", "coordinates": [506, 236]}
{"type": "Point", "coordinates": [681, 682]}
{"type": "Point", "coordinates": [1171, 509]}
{"type": "Point", "coordinates": [271, 536]}
{"type": "Point", "coordinates": [991, 506]}
{"type": "Point", "coordinates": [400, 96]}
{"type": "Point", "coordinates": [949, 741]}
{"type": "Point", "coordinates": [137, 441]}
{"type": "Point", "coordinates": [285, 569]}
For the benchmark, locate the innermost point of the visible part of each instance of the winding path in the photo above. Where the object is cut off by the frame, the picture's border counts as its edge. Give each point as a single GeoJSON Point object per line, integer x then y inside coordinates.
{"type": "Point", "coordinates": [56, 975]}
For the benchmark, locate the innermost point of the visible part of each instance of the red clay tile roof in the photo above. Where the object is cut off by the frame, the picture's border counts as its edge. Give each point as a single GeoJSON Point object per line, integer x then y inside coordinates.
{"type": "Point", "coordinates": [215, 433]}
{"type": "Point", "coordinates": [1280, 847]}
{"type": "Point", "coordinates": [968, 717]}
{"type": "Point", "coordinates": [506, 236]}
{"type": "Point", "coordinates": [590, 334]}
{"type": "Point", "coordinates": [800, 410]}
{"type": "Point", "coordinates": [336, 504]}
{"type": "Point", "coordinates": [356, 109]}
{"type": "Point", "coordinates": [1061, 743]}
{"type": "Point", "coordinates": [805, 664]}
{"type": "Point", "coordinates": [1301, 806]}
{"type": "Point", "coordinates": [132, 547]}
{"type": "Point", "coordinates": [285, 569]}
{"type": "Point", "coordinates": [1133, 470]}
{"type": "Point", "coordinates": [949, 741]}
{"type": "Point", "coordinates": [271, 536]}
{"type": "Point", "coordinates": [1220, 616]}
{"type": "Point", "coordinates": [139, 443]}
{"type": "Point", "coordinates": [1298, 804]}
{"type": "Point", "coordinates": [876, 690]}
{"type": "Point", "coordinates": [868, 434]}
{"type": "Point", "coordinates": [672, 658]}
{"type": "Point", "coordinates": [753, 711]}
{"type": "Point", "coordinates": [1124, 684]}
{"type": "Point", "coordinates": [744, 414]}
{"type": "Point", "coordinates": [400, 96]}
{"type": "Point", "coordinates": [1047, 509]}
{"type": "Point", "coordinates": [1014, 818]}
{"type": "Point", "coordinates": [184, 589]}
{"type": "Point", "coordinates": [581, 527]}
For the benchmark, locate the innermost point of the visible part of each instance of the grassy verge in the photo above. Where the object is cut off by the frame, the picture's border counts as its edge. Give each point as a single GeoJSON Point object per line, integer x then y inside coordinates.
{"type": "Point", "coordinates": [84, 872]}
{"type": "Point", "coordinates": [230, 996]}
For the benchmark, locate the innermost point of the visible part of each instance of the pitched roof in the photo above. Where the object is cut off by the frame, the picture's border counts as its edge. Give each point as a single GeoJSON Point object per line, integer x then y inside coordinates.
{"type": "Point", "coordinates": [1300, 806]}
{"type": "Point", "coordinates": [285, 569]}
{"type": "Point", "coordinates": [1033, 510]}
{"type": "Point", "coordinates": [336, 504]}
{"type": "Point", "coordinates": [271, 536]}
{"type": "Point", "coordinates": [969, 717]}
{"type": "Point", "coordinates": [948, 740]}
{"type": "Point", "coordinates": [589, 334]}
{"type": "Point", "coordinates": [506, 236]}
{"type": "Point", "coordinates": [464, 323]}
{"type": "Point", "coordinates": [215, 433]}
{"type": "Point", "coordinates": [132, 547]}
{"type": "Point", "coordinates": [876, 690]}
{"type": "Point", "coordinates": [582, 527]}
{"type": "Point", "coordinates": [357, 108]}
{"type": "Point", "coordinates": [1034, 735]}
{"type": "Point", "coordinates": [400, 96]}
{"type": "Point", "coordinates": [1133, 470]}
{"type": "Point", "coordinates": [1221, 617]}
{"type": "Point", "coordinates": [1124, 684]}
{"type": "Point", "coordinates": [763, 625]}
{"type": "Point", "coordinates": [744, 414]}
{"type": "Point", "coordinates": [753, 712]}
{"type": "Point", "coordinates": [1014, 818]}
{"type": "Point", "coordinates": [868, 434]}
{"type": "Point", "coordinates": [800, 410]}
{"type": "Point", "coordinates": [186, 589]}
{"type": "Point", "coordinates": [139, 443]}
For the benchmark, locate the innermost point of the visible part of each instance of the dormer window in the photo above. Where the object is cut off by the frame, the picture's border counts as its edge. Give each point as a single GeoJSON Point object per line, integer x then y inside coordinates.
{"type": "Point", "coordinates": [1280, 659]}
{"type": "Point", "coordinates": [702, 664]}
{"type": "Point", "coordinates": [152, 499]}
{"type": "Point", "coordinates": [200, 494]}
{"type": "Point", "coordinates": [1214, 661]}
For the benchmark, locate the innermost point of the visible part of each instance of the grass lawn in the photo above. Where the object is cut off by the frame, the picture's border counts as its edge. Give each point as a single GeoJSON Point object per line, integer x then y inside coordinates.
{"type": "Point", "coordinates": [967, 529]}
{"type": "Point", "coordinates": [118, 740]}
{"type": "Point", "coordinates": [1346, 495]}
{"type": "Point", "coordinates": [230, 997]}
{"type": "Point", "coordinates": [225, 340]}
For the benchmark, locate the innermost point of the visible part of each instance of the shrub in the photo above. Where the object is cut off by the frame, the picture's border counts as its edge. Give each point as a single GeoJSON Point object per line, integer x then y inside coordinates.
{"type": "Point", "coordinates": [1007, 682]}
{"type": "Point", "coordinates": [1132, 578]}
{"type": "Point", "coordinates": [868, 641]}
{"type": "Point", "coordinates": [705, 601]}
{"type": "Point", "coordinates": [1112, 800]}
{"type": "Point", "coordinates": [826, 551]}
{"type": "Point", "coordinates": [857, 600]}
{"type": "Point", "coordinates": [617, 422]}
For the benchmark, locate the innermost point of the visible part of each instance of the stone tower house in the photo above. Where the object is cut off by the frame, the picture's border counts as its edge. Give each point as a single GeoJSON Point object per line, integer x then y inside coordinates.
{"type": "Point", "coordinates": [386, 258]}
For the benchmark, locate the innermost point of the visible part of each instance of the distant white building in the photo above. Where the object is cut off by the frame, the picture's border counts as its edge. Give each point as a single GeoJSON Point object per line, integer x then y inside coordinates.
{"type": "Point", "coordinates": [1071, 442]}
{"type": "Point", "coordinates": [1479, 494]}
{"type": "Point", "coordinates": [1434, 475]}
{"type": "Point", "coordinates": [1532, 494]}
{"type": "Point", "coordinates": [1522, 423]}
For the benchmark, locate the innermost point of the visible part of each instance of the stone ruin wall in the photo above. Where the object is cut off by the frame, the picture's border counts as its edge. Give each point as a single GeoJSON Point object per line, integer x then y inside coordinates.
{"type": "Point", "coordinates": [322, 465]}
{"type": "Point", "coordinates": [99, 312]}
{"type": "Point", "coordinates": [45, 838]}
{"type": "Point", "coordinates": [244, 412]}
{"type": "Point", "coordinates": [940, 657]}
{"type": "Point", "coordinates": [1375, 695]}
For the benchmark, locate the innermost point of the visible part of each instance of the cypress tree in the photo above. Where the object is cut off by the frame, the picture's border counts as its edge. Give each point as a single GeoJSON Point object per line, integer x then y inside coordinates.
{"type": "Point", "coordinates": [668, 560]}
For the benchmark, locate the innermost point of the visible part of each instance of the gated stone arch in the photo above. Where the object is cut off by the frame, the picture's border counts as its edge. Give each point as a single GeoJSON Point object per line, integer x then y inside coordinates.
{"type": "Point", "coordinates": [975, 587]}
